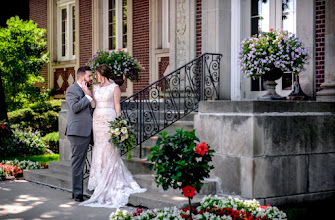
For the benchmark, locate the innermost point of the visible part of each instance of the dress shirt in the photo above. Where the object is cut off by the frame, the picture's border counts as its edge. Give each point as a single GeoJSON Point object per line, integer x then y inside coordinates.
{"type": "Point", "coordinates": [87, 96]}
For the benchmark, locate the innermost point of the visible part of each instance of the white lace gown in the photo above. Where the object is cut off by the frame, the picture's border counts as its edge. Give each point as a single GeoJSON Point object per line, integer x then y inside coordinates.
{"type": "Point", "coordinates": [109, 177]}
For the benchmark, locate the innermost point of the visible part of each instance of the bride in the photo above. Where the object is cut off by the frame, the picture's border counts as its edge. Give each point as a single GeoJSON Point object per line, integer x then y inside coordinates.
{"type": "Point", "coordinates": [109, 177]}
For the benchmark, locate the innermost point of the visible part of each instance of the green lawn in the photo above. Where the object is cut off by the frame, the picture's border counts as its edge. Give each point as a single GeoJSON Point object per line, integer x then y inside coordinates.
{"type": "Point", "coordinates": [36, 158]}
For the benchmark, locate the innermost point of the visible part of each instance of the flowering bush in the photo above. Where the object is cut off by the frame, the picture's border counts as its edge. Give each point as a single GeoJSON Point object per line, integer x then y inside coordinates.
{"type": "Point", "coordinates": [14, 168]}
{"type": "Point", "coordinates": [269, 50]}
{"type": "Point", "coordinates": [211, 207]}
{"type": "Point", "coordinates": [122, 135]}
{"type": "Point", "coordinates": [24, 164]}
{"type": "Point", "coordinates": [120, 62]}
{"type": "Point", "coordinates": [180, 162]}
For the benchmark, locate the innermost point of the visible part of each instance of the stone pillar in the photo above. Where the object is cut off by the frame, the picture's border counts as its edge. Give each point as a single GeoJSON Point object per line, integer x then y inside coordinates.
{"type": "Point", "coordinates": [64, 144]}
{"type": "Point", "coordinates": [328, 87]}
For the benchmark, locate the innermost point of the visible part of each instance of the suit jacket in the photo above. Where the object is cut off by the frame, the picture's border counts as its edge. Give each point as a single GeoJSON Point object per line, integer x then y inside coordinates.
{"type": "Point", "coordinates": [79, 112]}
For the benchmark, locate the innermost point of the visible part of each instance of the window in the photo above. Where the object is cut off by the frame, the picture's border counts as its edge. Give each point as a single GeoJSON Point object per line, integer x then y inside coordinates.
{"type": "Point", "coordinates": [66, 30]}
{"type": "Point", "coordinates": [163, 24]}
{"type": "Point", "coordinates": [277, 14]}
{"type": "Point", "coordinates": [117, 24]}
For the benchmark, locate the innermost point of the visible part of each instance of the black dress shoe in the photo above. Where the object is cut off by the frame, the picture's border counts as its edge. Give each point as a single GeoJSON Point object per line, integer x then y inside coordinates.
{"type": "Point", "coordinates": [79, 198]}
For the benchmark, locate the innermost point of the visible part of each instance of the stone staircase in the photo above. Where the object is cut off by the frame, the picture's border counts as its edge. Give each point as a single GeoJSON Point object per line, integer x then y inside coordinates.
{"type": "Point", "coordinates": [58, 175]}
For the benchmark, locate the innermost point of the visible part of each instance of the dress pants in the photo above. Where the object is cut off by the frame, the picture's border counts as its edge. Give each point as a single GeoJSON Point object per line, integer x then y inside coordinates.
{"type": "Point", "coordinates": [79, 146]}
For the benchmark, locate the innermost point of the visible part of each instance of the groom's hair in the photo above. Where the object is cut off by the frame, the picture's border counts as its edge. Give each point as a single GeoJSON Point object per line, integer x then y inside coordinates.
{"type": "Point", "coordinates": [81, 70]}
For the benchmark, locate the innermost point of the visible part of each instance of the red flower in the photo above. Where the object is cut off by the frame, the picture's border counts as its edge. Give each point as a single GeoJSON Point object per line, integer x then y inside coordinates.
{"type": "Point", "coordinates": [189, 191]}
{"type": "Point", "coordinates": [184, 216]}
{"type": "Point", "coordinates": [201, 148]}
{"type": "Point", "coordinates": [139, 210]}
{"type": "Point", "coordinates": [271, 29]}
{"type": "Point", "coordinates": [3, 125]}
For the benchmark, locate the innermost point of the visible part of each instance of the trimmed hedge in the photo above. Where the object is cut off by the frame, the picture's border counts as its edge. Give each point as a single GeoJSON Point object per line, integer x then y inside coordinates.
{"type": "Point", "coordinates": [52, 139]}
{"type": "Point", "coordinates": [42, 117]}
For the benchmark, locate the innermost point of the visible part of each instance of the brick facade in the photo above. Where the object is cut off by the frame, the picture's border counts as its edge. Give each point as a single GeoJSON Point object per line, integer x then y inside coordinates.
{"type": "Point", "coordinates": [198, 27]}
{"type": "Point", "coordinates": [141, 40]}
{"type": "Point", "coordinates": [85, 31]}
{"type": "Point", "coordinates": [319, 43]}
{"type": "Point", "coordinates": [162, 65]}
{"type": "Point", "coordinates": [38, 10]}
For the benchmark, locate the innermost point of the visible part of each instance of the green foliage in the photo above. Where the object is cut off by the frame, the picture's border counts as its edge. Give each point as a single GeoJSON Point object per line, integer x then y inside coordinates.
{"type": "Point", "coordinates": [8, 142]}
{"type": "Point", "coordinates": [41, 117]}
{"type": "Point", "coordinates": [17, 142]}
{"type": "Point", "coordinates": [177, 162]}
{"type": "Point", "coordinates": [52, 139]}
{"type": "Point", "coordinates": [32, 143]}
{"type": "Point", "coordinates": [23, 53]}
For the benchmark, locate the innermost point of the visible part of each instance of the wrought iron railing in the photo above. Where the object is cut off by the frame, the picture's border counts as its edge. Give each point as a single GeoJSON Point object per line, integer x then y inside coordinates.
{"type": "Point", "coordinates": [172, 97]}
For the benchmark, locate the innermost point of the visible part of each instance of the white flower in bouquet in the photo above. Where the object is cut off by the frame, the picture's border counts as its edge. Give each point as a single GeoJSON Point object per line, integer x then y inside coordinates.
{"type": "Point", "coordinates": [112, 131]}
{"type": "Point", "coordinates": [117, 131]}
{"type": "Point", "coordinates": [124, 137]}
{"type": "Point", "coordinates": [124, 130]}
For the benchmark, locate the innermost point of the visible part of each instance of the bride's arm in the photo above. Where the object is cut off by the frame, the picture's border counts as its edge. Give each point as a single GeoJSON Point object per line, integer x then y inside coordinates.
{"type": "Point", "coordinates": [93, 100]}
{"type": "Point", "coordinates": [117, 98]}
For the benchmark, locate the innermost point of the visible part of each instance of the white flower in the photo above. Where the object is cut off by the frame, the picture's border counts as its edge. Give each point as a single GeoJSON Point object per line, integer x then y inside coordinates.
{"type": "Point", "coordinates": [117, 131]}
{"type": "Point", "coordinates": [124, 130]}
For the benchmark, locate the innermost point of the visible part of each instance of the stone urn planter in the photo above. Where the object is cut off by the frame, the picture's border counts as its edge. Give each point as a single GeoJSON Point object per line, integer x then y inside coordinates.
{"type": "Point", "coordinates": [271, 78]}
{"type": "Point", "coordinates": [118, 80]}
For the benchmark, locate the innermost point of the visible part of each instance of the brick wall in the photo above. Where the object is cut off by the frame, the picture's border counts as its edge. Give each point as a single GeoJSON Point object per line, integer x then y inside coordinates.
{"type": "Point", "coordinates": [198, 27]}
{"type": "Point", "coordinates": [85, 31]}
{"type": "Point", "coordinates": [162, 65]}
{"type": "Point", "coordinates": [38, 13]}
{"type": "Point", "coordinates": [319, 43]}
{"type": "Point", "coordinates": [141, 40]}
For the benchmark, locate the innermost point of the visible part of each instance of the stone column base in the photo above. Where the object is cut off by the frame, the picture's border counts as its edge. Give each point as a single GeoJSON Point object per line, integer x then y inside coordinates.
{"type": "Point", "coordinates": [328, 92]}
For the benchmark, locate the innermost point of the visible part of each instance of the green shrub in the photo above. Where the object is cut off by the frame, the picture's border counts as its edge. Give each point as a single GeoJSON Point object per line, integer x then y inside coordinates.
{"type": "Point", "coordinates": [42, 117]}
{"type": "Point", "coordinates": [52, 139]}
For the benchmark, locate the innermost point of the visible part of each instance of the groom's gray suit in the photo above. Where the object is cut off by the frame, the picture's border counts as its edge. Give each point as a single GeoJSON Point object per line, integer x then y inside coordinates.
{"type": "Point", "coordinates": [79, 132]}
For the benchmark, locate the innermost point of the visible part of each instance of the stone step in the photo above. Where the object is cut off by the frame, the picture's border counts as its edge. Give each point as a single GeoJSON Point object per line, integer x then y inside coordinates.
{"type": "Point", "coordinates": [161, 115]}
{"type": "Point", "coordinates": [148, 181]}
{"type": "Point", "coordinates": [136, 167]}
{"type": "Point", "coordinates": [181, 104]}
{"type": "Point", "coordinates": [161, 200]}
{"type": "Point", "coordinates": [63, 167]}
{"type": "Point", "coordinates": [50, 178]}
{"type": "Point", "coordinates": [187, 126]}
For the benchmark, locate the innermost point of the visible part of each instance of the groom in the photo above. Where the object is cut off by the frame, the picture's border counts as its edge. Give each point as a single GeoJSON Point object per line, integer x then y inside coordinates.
{"type": "Point", "coordinates": [79, 127]}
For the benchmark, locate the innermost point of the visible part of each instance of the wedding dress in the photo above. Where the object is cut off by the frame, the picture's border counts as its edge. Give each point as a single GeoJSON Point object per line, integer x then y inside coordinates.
{"type": "Point", "coordinates": [109, 177]}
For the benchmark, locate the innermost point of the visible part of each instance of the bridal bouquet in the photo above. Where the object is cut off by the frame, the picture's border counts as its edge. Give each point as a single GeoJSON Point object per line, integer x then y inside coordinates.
{"type": "Point", "coordinates": [122, 135]}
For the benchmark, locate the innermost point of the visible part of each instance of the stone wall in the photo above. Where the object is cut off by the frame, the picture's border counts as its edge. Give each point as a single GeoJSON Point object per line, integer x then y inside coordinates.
{"type": "Point", "coordinates": [277, 152]}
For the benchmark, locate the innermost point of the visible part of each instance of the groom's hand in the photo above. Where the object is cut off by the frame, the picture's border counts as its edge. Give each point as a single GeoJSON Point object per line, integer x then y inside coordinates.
{"type": "Point", "coordinates": [85, 89]}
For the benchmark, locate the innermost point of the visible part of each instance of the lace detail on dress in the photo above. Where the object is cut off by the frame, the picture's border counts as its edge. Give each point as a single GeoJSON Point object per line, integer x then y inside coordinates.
{"type": "Point", "coordinates": [109, 177]}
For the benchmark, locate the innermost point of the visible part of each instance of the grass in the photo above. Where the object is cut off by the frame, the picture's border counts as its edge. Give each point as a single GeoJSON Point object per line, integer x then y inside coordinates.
{"type": "Point", "coordinates": [36, 158]}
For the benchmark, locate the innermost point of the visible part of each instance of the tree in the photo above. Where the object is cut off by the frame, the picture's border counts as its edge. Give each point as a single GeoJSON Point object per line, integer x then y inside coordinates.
{"type": "Point", "coordinates": [3, 106]}
{"type": "Point", "coordinates": [23, 53]}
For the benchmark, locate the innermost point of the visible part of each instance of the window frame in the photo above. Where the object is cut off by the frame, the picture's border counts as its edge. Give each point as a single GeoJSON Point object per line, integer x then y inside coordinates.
{"type": "Point", "coordinates": [118, 25]}
{"type": "Point", "coordinates": [275, 21]}
{"type": "Point", "coordinates": [69, 41]}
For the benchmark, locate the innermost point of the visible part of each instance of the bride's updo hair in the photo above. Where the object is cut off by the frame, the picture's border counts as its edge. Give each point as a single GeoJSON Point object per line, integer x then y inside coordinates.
{"type": "Point", "coordinates": [105, 71]}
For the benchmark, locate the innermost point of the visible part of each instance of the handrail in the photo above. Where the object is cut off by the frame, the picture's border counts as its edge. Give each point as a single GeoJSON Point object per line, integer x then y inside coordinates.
{"type": "Point", "coordinates": [172, 97]}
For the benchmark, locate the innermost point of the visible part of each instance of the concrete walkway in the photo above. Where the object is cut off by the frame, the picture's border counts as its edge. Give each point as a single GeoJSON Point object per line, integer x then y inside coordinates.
{"type": "Point", "coordinates": [20, 199]}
